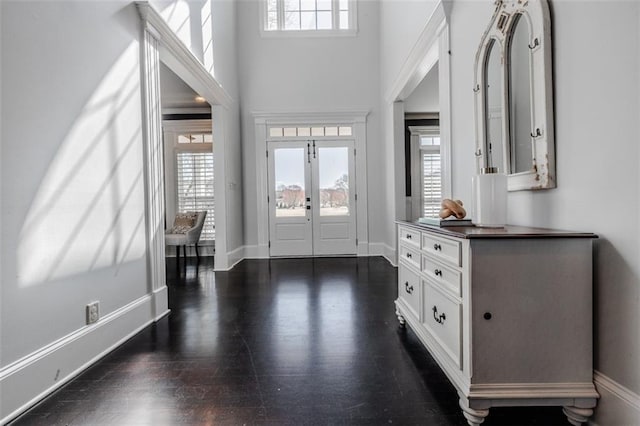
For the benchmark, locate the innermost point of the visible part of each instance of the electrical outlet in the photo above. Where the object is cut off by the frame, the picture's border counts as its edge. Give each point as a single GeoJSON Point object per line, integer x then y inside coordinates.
{"type": "Point", "coordinates": [93, 312]}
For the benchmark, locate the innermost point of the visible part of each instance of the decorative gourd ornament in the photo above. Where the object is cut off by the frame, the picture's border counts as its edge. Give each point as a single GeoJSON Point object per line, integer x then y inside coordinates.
{"type": "Point", "coordinates": [452, 208]}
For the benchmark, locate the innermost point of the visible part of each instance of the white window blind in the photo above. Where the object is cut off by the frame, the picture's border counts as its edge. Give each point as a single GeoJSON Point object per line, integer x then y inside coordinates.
{"type": "Point", "coordinates": [431, 183]}
{"type": "Point", "coordinates": [195, 187]}
{"type": "Point", "coordinates": [431, 165]}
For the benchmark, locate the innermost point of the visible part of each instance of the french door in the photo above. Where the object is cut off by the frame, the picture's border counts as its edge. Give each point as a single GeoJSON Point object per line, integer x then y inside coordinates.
{"type": "Point", "coordinates": [311, 198]}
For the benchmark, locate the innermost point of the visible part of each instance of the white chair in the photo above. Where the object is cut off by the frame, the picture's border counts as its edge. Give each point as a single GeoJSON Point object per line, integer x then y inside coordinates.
{"type": "Point", "coordinates": [186, 230]}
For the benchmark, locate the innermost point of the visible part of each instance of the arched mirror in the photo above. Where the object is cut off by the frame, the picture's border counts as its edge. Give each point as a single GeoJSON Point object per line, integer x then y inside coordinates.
{"type": "Point", "coordinates": [514, 97]}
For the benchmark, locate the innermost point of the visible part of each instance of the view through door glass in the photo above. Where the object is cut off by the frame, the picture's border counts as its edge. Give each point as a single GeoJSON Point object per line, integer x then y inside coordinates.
{"type": "Point", "coordinates": [333, 164]}
{"type": "Point", "coordinates": [289, 182]}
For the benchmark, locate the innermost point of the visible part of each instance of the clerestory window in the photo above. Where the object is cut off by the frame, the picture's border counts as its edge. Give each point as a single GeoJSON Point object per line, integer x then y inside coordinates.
{"type": "Point", "coordinates": [309, 17]}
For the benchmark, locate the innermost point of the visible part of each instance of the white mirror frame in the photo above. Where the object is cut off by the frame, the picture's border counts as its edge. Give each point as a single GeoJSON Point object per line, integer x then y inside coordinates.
{"type": "Point", "coordinates": [537, 17]}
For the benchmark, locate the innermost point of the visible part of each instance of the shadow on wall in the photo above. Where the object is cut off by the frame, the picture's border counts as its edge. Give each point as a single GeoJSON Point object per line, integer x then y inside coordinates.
{"type": "Point", "coordinates": [88, 212]}
{"type": "Point", "coordinates": [191, 21]}
{"type": "Point", "coordinates": [615, 301]}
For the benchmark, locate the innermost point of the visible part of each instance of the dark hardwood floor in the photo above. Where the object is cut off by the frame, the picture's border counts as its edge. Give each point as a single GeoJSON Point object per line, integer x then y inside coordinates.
{"type": "Point", "coordinates": [281, 342]}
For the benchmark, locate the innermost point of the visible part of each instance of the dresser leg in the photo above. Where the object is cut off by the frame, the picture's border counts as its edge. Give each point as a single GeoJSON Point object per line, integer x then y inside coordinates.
{"type": "Point", "coordinates": [576, 415]}
{"type": "Point", "coordinates": [474, 417]}
{"type": "Point", "coordinates": [401, 319]}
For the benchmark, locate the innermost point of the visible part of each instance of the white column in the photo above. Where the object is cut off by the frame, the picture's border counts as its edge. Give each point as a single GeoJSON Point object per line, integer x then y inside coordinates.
{"type": "Point", "coordinates": [154, 172]}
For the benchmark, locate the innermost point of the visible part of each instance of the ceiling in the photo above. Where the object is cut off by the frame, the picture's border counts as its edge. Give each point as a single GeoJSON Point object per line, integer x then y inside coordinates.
{"type": "Point", "coordinates": [176, 94]}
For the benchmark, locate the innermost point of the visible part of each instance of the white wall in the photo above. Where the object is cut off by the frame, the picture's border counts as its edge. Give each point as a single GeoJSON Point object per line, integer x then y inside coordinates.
{"type": "Point", "coordinates": [208, 28]}
{"type": "Point", "coordinates": [425, 97]}
{"type": "Point", "coordinates": [596, 69]}
{"type": "Point", "coordinates": [401, 23]}
{"type": "Point", "coordinates": [225, 52]}
{"type": "Point", "coordinates": [324, 74]}
{"type": "Point", "coordinates": [191, 21]}
{"type": "Point", "coordinates": [76, 230]}
{"type": "Point", "coordinates": [72, 174]}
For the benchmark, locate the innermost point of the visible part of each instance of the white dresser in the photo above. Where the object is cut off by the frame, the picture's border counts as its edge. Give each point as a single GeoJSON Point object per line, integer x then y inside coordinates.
{"type": "Point", "coordinates": [506, 313]}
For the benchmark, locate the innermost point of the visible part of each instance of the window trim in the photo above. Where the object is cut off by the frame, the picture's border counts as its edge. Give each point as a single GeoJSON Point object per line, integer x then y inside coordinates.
{"type": "Point", "coordinates": [171, 130]}
{"type": "Point", "coordinates": [199, 148]}
{"type": "Point", "coordinates": [417, 208]}
{"type": "Point", "coordinates": [352, 31]}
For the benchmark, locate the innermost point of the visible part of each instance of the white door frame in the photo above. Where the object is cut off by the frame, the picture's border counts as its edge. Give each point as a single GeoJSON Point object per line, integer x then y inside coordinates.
{"type": "Point", "coordinates": [160, 43]}
{"type": "Point", "coordinates": [171, 130]}
{"type": "Point", "coordinates": [431, 47]}
{"type": "Point", "coordinates": [312, 234]}
{"type": "Point", "coordinates": [358, 121]}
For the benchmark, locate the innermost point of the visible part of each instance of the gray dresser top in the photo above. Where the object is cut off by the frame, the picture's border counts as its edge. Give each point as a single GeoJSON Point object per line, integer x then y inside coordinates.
{"type": "Point", "coordinates": [509, 231]}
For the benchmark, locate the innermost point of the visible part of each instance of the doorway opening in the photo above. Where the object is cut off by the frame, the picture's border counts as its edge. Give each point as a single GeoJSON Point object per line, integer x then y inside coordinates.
{"type": "Point", "coordinates": [327, 151]}
{"type": "Point", "coordinates": [189, 156]}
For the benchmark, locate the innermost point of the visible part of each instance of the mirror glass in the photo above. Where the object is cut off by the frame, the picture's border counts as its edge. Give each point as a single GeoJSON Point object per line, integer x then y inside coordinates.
{"type": "Point", "coordinates": [514, 95]}
{"type": "Point", "coordinates": [493, 106]}
{"type": "Point", "coordinates": [519, 68]}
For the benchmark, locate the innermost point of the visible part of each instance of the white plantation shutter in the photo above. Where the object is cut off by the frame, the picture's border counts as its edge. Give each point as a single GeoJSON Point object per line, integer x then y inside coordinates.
{"type": "Point", "coordinates": [431, 183]}
{"type": "Point", "coordinates": [195, 187]}
{"type": "Point", "coordinates": [428, 175]}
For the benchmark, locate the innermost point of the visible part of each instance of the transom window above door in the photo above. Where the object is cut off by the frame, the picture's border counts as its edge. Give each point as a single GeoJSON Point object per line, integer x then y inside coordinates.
{"type": "Point", "coordinates": [308, 17]}
{"type": "Point", "coordinates": [307, 131]}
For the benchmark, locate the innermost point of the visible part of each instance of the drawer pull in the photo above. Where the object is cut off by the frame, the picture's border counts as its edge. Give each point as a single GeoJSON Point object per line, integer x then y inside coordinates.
{"type": "Point", "coordinates": [438, 272]}
{"type": "Point", "coordinates": [409, 255]}
{"type": "Point", "coordinates": [408, 236]}
{"type": "Point", "coordinates": [439, 318]}
{"type": "Point", "coordinates": [487, 316]}
{"type": "Point", "coordinates": [437, 247]}
{"type": "Point", "coordinates": [408, 288]}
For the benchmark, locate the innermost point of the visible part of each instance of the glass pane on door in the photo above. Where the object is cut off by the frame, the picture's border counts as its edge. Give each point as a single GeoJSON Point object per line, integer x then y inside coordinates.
{"type": "Point", "coordinates": [289, 182]}
{"type": "Point", "coordinates": [333, 170]}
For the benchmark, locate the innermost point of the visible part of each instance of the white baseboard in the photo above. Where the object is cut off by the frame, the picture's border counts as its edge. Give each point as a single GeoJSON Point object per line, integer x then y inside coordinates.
{"type": "Point", "coordinates": [204, 250]}
{"type": "Point", "coordinates": [160, 302]}
{"type": "Point", "coordinates": [236, 256]}
{"type": "Point", "coordinates": [382, 249]}
{"type": "Point", "coordinates": [618, 405]}
{"type": "Point", "coordinates": [262, 252]}
{"type": "Point", "coordinates": [256, 252]}
{"type": "Point", "coordinates": [28, 380]}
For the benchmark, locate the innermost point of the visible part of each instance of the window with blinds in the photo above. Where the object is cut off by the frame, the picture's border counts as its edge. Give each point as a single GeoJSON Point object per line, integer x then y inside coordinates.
{"type": "Point", "coordinates": [431, 166]}
{"type": "Point", "coordinates": [195, 187]}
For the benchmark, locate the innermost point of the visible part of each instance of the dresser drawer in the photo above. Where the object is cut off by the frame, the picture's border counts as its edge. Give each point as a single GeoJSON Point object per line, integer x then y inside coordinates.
{"type": "Point", "coordinates": [442, 275]}
{"type": "Point", "coordinates": [410, 255]}
{"type": "Point", "coordinates": [409, 236]}
{"type": "Point", "coordinates": [409, 289]}
{"type": "Point", "coordinates": [442, 248]}
{"type": "Point", "coordinates": [442, 317]}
